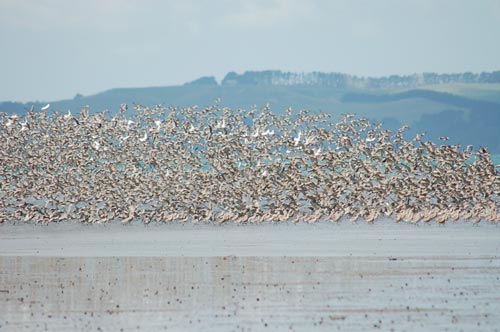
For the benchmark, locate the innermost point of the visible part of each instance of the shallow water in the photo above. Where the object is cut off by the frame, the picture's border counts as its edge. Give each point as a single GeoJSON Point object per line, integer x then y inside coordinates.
{"type": "Point", "coordinates": [382, 238]}
{"type": "Point", "coordinates": [249, 293]}
{"type": "Point", "coordinates": [495, 158]}
{"type": "Point", "coordinates": [279, 277]}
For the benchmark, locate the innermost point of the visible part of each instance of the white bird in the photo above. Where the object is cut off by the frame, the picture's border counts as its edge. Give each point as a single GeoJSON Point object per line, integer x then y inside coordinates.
{"type": "Point", "coordinates": [144, 138]}
{"type": "Point", "coordinates": [309, 140]}
{"type": "Point", "coordinates": [349, 115]}
{"type": "Point", "coordinates": [68, 116]}
{"type": "Point", "coordinates": [221, 125]}
{"type": "Point", "coordinates": [418, 137]}
{"type": "Point", "coordinates": [296, 140]}
{"type": "Point", "coordinates": [124, 138]}
{"type": "Point", "coordinates": [158, 124]}
{"type": "Point", "coordinates": [129, 123]}
{"type": "Point", "coordinates": [46, 107]}
{"type": "Point", "coordinates": [24, 125]}
{"type": "Point", "coordinates": [267, 133]}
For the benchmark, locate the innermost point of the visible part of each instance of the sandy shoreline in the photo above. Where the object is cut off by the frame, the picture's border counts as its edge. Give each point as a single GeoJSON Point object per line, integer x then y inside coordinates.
{"type": "Point", "coordinates": [383, 238]}
{"type": "Point", "coordinates": [279, 277]}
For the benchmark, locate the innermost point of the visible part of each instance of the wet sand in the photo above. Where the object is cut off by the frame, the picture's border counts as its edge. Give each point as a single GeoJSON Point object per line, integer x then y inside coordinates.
{"type": "Point", "coordinates": [277, 277]}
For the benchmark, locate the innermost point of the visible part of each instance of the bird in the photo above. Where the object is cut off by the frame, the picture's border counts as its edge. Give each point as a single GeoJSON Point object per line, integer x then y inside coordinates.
{"type": "Point", "coordinates": [296, 140]}
{"type": "Point", "coordinates": [218, 165]}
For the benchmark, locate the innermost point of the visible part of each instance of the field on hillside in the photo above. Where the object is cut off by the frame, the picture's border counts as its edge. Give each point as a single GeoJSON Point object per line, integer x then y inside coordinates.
{"type": "Point", "coordinates": [488, 92]}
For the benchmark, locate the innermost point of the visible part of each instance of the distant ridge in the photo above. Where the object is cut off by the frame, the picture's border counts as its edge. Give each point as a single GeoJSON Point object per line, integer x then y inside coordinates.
{"type": "Point", "coordinates": [346, 81]}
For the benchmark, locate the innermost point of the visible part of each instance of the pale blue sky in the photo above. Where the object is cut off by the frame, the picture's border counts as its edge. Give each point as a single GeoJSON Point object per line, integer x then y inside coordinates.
{"type": "Point", "coordinates": [52, 49]}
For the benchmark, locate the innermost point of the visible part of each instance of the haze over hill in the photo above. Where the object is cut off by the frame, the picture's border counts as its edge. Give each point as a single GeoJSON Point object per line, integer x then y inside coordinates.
{"type": "Point", "coordinates": [346, 81]}
{"type": "Point", "coordinates": [463, 106]}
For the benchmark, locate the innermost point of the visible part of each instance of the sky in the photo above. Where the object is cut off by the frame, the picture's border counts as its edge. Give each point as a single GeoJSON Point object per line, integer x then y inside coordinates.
{"type": "Point", "coordinates": [54, 49]}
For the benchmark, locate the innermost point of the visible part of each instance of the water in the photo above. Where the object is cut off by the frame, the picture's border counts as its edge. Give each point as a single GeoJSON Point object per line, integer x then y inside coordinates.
{"type": "Point", "coordinates": [276, 277]}
{"type": "Point", "coordinates": [495, 158]}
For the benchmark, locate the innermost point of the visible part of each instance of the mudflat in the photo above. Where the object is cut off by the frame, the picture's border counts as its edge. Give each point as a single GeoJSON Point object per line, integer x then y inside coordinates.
{"type": "Point", "coordinates": [384, 238]}
{"type": "Point", "coordinates": [298, 277]}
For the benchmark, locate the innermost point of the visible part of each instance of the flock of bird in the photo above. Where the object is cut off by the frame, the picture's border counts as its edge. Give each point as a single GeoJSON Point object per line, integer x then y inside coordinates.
{"type": "Point", "coordinates": [219, 165]}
